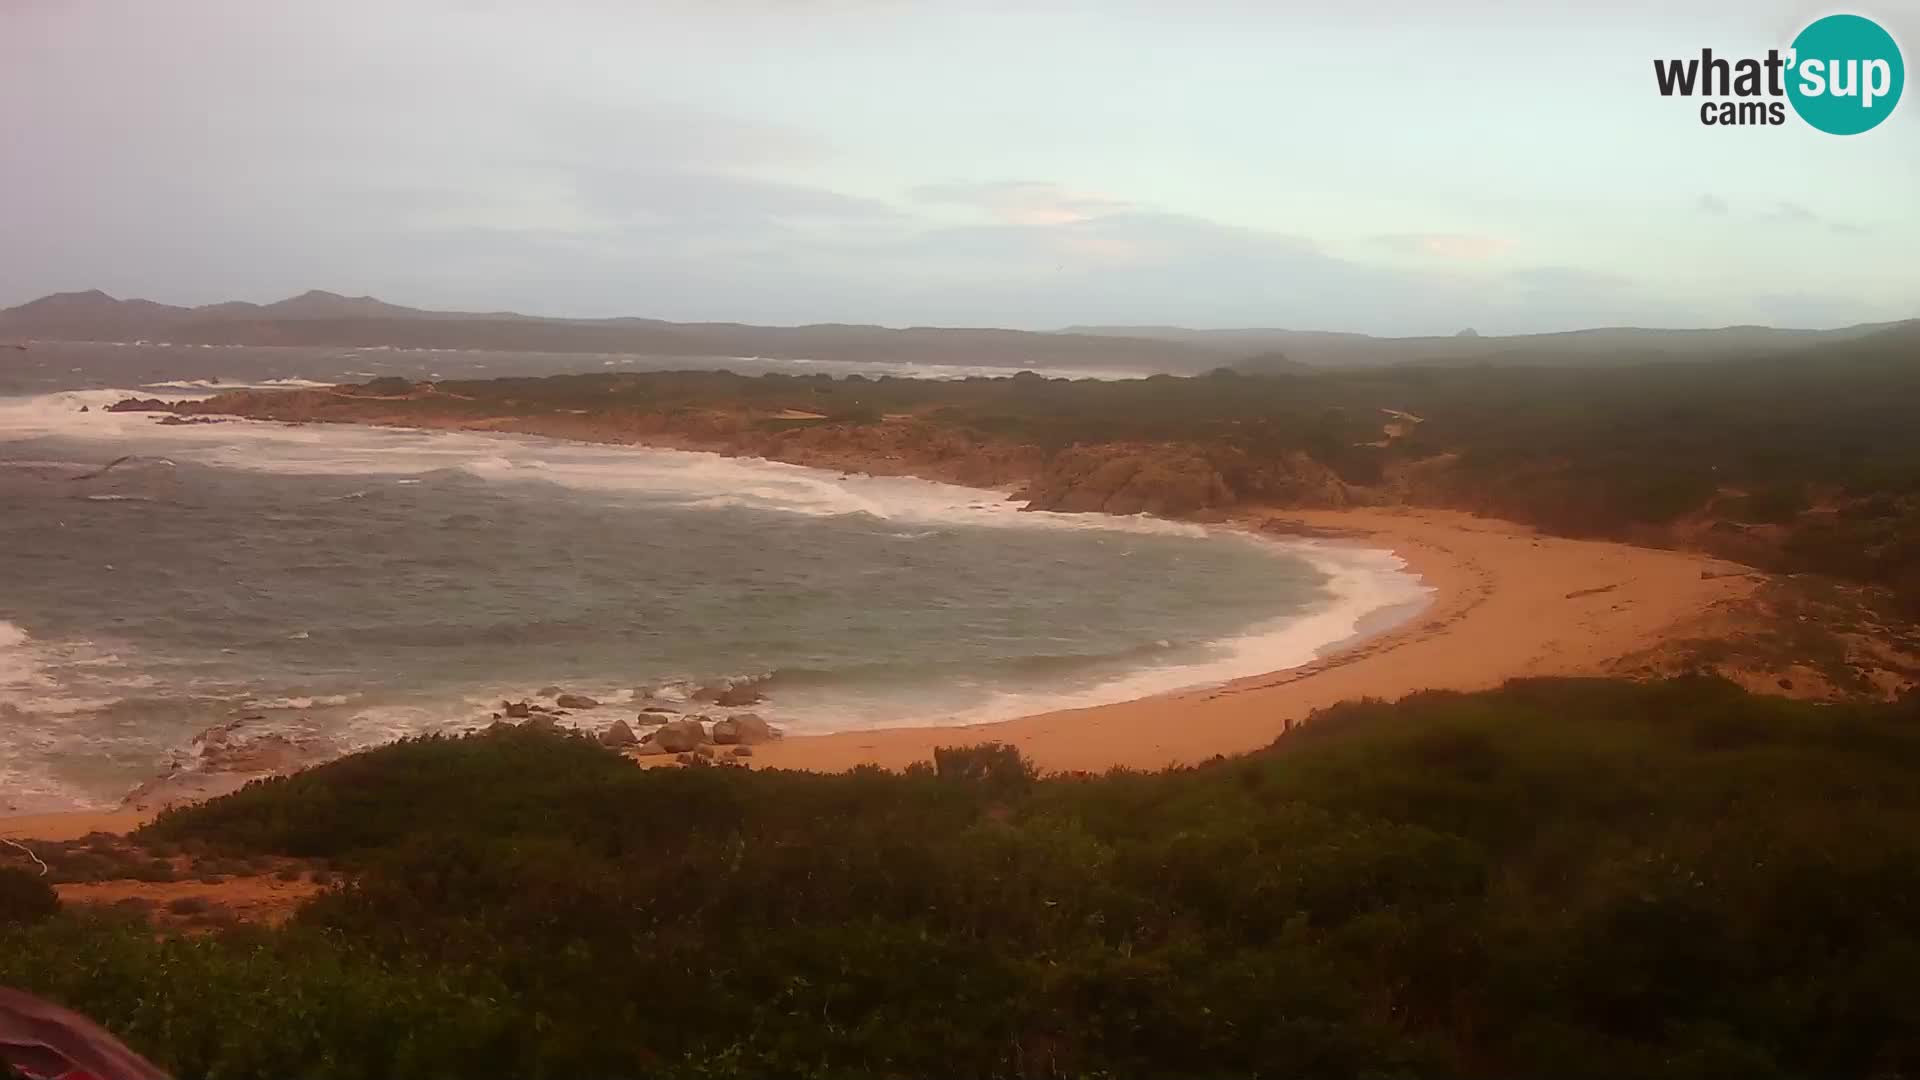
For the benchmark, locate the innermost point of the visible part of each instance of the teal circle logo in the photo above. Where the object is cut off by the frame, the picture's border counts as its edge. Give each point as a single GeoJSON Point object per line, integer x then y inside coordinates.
{"type": "Point", "coordinates": [1846, 74]}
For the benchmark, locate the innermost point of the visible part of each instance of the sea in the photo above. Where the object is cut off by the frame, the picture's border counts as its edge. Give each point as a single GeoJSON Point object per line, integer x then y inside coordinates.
{"type": "Point", "coordinates": [167, 590]}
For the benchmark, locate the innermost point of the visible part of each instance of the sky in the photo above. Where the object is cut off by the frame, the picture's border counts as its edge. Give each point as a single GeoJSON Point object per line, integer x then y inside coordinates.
{"type": "Point", "coordinates": [1382, 166]}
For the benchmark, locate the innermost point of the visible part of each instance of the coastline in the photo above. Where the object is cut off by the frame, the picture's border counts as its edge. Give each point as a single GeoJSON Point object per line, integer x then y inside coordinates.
{"type": "Point", "coordinates": [1506, 602]}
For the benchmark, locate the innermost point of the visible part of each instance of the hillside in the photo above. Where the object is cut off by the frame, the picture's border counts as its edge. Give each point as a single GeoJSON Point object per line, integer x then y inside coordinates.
{"type": "Point", "coordinates": [322, 318]}
{"type": "Point", "coordinates": [1613, 346]}
{"type": "Point", "coordinates": [1560, 878]}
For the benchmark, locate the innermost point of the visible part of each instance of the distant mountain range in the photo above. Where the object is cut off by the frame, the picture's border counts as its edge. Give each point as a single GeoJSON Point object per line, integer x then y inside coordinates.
{"type": "Point", "coordinates": [329, 319]}
{"type": "Point", "coordinates": [323, 318]}
{"type": "Point", "coordinates": [1608, 346]}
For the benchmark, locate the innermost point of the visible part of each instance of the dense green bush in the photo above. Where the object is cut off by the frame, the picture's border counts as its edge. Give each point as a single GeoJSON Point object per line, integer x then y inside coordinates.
{"type": "Point", "coordinates": [25, 898]}
{"type": "Point", "coordinates": [1561, 878]}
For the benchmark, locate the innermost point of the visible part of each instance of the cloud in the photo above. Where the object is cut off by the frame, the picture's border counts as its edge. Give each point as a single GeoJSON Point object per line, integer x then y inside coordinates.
{"type": "Point", "coordinates": [1792, 213]}
{"type": "Point", "coordinates": [1712, 204]}
{"type": "Point", "coordinates": [1463, 246]}
{"type": "Point", "coordinates": [1122, 267]}
{"type": "Point", "coordinates": [718, 200]}
{"type": "Point", "coordinates": [637, 134]}
{"type": "Point", "coordinates": [1023, 202]}
{"type": "Point", "coordinates": [1571, 279]}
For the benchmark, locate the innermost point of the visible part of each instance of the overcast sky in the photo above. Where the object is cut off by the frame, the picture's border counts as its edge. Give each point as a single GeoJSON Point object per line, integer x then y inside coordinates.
{"type": "Point", "coordinates": [1389, 167]}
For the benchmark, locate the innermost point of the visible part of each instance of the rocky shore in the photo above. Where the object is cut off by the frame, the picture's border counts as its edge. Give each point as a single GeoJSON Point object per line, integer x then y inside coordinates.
{"type": "Point", "coordinates": [1130, 477]}
{"type": "Point", "coordinates": [1651, 609]}
{"type": "Point", "coordinates": [661, 724]}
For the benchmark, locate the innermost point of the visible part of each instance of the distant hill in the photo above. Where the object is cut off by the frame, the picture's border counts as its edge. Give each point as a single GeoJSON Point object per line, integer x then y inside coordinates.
{"type": "Point", "coordinates": [330, 319]}
{"type": "Point", "coordinates": [1602, 347]}
{"type": "Point", "coordinates": [324, 318]}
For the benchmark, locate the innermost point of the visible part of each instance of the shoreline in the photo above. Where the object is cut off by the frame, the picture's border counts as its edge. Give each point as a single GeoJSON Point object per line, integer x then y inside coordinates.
{"type": "Point", "coordinates": [1505, 602]}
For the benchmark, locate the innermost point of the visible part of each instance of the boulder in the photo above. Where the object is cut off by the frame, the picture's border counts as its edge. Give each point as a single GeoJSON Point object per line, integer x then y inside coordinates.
{"type": "Point", "coordinates": [703, 751]}
{"type": "Point", "coordinates": [498, 726]}
{"type": "Point", "coordinates": [619, 735]}
{"type": "Point", "coordinates": [742, 728]}
{"type": "Point", "coordinates": [516, 710]}
{"type": "Point", "coordinates": [735, 696]}
{"type": "Point", "coordinates": [548, 691]}
{"type": "Point", "coordinates": [576, 701]}
{"type": "Point", "coordinates": [728, 695]}
{"type": "Point", "coordinates": [680, 736]}
{"type": "Point", "coordinates": [542, 722]}
{"type": "Point", "coordinates": [743, 751]}
{"type": "Point", "coordinates": [649, 748]}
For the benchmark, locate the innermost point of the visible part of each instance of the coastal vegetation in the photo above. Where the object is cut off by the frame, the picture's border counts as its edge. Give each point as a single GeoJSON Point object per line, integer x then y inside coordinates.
{"type": "Point", "coordinates": [1560, 877]}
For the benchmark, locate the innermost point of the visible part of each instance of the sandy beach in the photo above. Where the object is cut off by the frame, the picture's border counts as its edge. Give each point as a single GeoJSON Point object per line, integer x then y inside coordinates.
{"type": "Point", "coordinates": [1508, 602]}
{"type": "Point", "coordinates": [72, 825]}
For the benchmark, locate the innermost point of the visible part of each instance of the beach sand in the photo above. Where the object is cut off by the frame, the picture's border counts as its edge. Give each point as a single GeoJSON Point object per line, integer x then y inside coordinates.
{"type": "Point", "coordinates": [1508, 602]}
{"type": "Point", "coordinates": [72, 825]}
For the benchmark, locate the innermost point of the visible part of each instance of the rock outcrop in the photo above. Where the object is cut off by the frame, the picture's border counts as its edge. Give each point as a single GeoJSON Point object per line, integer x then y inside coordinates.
{"type": "Point", "coordinates": [1123, 479]}
{"type": "Point", "coordinates": [619, 735]}
{"type": "Point", "coordinates": [140, 405]}
{"type": "Point", "coordinates": [1175, 481]}
{"type": "Point", "coordinates": [575, 701]}
{"type": "Point", "coordinates": [679, 736]}
{"type": "Point", "coordinates": [742, 728]}
{"type": "Point", "coordinates": [731, 695]}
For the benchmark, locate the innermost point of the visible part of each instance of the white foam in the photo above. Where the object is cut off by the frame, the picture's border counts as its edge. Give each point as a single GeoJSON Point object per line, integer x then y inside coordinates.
{"type": "Point", "coordinates": [1362, 584]}
{"type": "Point", "coordinates": [301, 703]}
{"type": "Point", "coordinates": [20, 666]}
{"type": "Point", "coordinates": [36, 719]}
{"type": "Point", "coordinates": [209, 387]}
{"type": "Point", "coordinates": [901, 369]}
{"type": "Point", "coordinates": [1359, 583]}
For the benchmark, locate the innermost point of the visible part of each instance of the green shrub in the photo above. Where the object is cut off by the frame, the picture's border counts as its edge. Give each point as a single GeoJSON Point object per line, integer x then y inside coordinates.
{"type": "Point", "coordinates": [25, 898]}
{"type": "Point", "coordinates": [1561, 877]}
